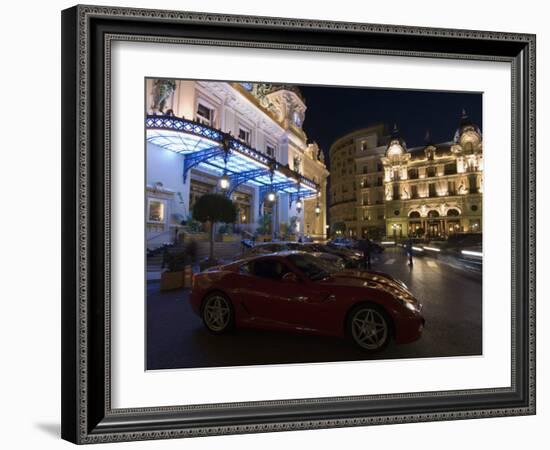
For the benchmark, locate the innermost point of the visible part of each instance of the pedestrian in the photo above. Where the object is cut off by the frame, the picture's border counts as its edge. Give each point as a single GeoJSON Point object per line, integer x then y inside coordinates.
{"type": "Point", "coordinates": [365, 247]}
{"type": "Point", "coordinates": [409, 249]}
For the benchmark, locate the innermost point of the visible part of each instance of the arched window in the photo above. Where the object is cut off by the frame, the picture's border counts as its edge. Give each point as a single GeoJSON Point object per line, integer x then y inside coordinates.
{"type": "Point", "coordinates": [433, 213]}
{"type": "Point", "coordinates": [414, 215]}
{"type": "Point", "coordinates": [453, 212]}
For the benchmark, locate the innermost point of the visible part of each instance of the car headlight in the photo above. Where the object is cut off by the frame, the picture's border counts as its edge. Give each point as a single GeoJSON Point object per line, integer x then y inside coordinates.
{"type": "Point", "coordinates": [409, 305]}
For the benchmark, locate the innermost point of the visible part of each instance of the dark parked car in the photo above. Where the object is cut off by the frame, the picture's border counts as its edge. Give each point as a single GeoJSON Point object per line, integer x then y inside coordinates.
{"type": "Point", "coordinates": [295, 291]}
{"type": "Point", "coordinates": [352, 258]}
{"type": "Point", "coordinates": [342, 242]}
{"type": "Point", "coordinates": [352, 244]}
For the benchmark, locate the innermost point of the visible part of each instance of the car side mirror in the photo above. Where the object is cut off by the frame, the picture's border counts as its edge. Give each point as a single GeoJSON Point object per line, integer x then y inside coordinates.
{"type": "Point", "coordinates": [290, 277]}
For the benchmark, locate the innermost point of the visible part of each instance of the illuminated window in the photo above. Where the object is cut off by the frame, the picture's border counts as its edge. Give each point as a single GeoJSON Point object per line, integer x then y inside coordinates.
{"type": "Point", "coordinates": [270, 150]}
{"type": "Point", "coordinates": [451, 187]}
{"type": "Point", "coordinates": [244, 135]}
{"type": "Point", "coordinates": [452, 212]}
{"type": "Point", "coordinates": [475, 225]}
{"type": "Point", "coordinates": [156, 211]}
{"type": "Point", "coordinates": [204, 115]}
{"type": "Point", "coordinates": [396, 191]}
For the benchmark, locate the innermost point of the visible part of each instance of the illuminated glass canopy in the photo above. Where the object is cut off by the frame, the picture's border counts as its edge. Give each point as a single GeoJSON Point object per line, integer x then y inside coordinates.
{"type": "Point", "coordinates": [210, 149]}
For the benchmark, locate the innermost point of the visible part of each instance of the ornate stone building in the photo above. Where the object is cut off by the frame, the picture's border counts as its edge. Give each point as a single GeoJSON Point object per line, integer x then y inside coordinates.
{"type": "Point", "coordinates": [249, 133]}
{"type": "Point", "coordinates": [380, 187]}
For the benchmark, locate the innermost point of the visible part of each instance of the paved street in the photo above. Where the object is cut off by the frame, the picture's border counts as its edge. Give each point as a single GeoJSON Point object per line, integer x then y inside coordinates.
{"type": "Point", "coordinates": [451, 297]}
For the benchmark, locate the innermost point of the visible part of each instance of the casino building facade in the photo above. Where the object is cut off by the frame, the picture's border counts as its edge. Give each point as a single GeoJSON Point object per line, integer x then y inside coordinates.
{"type": "Point", "coordinates": [241, 139]}
{"type": "Point", "coordinates": [379, 187]}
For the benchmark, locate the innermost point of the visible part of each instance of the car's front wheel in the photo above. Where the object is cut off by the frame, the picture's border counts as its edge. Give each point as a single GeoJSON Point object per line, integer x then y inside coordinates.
{"type": "Point", "coordinates": [217, 313]}
{"type": "Point", "coordinates": [369, 327]}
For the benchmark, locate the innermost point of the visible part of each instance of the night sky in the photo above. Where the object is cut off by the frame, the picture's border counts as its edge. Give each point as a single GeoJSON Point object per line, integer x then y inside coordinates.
{"type": "Point", "coordinates": [335, 111]}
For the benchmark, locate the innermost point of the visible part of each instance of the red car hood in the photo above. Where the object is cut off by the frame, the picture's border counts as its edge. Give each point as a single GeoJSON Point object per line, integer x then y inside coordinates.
{"type": "Point", "coordinates": [371, 280]}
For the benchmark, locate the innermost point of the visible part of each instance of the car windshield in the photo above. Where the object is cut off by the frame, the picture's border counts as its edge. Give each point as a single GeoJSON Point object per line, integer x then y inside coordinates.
{"type": "Point", "coordinates": [313, 268]}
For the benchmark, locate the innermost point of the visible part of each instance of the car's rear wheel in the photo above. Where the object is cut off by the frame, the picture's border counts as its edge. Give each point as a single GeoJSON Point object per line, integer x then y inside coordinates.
{"type": "Point", "coordinates": [369, 326]}
{"type": "Point", "coordinates": [217, 313]}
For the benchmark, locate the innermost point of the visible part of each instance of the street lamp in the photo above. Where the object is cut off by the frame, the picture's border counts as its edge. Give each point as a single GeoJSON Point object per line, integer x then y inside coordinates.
{"type": "Point", "coordinates": [224, 182]}
{"type": "Point", "coordinates": [299, 206]}
{"type": "Point", "coordinates": [317, 209]}
{"type": "Point", "coordinates": [271, 197]}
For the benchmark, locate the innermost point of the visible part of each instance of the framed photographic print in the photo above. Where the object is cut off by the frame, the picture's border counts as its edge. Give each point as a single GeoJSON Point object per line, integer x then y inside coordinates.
{"type": "Point", "coordinates": [281, 224]}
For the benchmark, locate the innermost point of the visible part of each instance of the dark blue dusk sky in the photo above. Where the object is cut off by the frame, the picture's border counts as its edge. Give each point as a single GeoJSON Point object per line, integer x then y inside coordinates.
{"type": "Point", "coordinates": [335, 111]}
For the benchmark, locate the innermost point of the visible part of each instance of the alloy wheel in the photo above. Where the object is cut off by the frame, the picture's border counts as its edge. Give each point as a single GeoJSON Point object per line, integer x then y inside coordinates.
{"type": "Point", "coordinates": [369, 328]}
{"type": "Point", "coordinates": [217, 313]}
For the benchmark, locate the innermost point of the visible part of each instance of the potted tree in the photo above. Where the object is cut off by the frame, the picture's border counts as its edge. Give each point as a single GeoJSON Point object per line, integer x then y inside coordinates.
{"type": "Point", "coordinates": [211, 209]}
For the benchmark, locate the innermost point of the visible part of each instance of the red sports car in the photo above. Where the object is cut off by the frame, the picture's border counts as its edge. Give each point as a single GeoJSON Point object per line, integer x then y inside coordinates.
{"type": "Point", "coordinates": [294, 291]}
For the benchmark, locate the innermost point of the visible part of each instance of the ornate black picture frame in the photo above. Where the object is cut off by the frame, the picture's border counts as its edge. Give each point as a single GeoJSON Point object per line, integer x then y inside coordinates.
{"type": "Point", "coordinates": [87, 34]}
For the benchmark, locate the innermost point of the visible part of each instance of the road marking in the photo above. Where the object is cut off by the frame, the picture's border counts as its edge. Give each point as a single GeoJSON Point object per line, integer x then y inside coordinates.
{"type": "Point", "coordinates": [432, 264]}
{"type": "Point", "coordinates": [390, 261]}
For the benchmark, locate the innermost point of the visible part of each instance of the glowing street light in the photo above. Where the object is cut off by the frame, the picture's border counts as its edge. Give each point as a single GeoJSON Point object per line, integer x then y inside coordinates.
{"type": "Point", "coordinates": [317, 209]}
{"type": "Point", "coordinates": [299, 205]}
{"type": "Point", "coordinates": [224, 182]}
{"type": "Point", "coordinates": [271, 197]}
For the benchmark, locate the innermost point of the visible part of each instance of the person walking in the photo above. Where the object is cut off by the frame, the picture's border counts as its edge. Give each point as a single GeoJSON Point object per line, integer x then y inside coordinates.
{"type": "Point", "coordinates": [408, 247]}
{"type": "Point", "coordinates": [365, 247]}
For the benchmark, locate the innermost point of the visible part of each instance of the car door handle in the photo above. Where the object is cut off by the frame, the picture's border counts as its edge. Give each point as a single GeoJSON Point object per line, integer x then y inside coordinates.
{"type": "Point", "coordinates": [329, 298]}
{"type": "Point", "coordinates": [299, 298]}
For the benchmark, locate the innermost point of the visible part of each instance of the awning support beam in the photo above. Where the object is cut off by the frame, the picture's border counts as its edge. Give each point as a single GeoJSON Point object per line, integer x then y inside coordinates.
{"type": "Point", "coordinates": [240, 178]}
{"type": "Point", "coordinates": [292, 197]}
{"type": "Point", "coordinates": [193, 159]}
{"type": "Point", "coordinates": [277, 187]}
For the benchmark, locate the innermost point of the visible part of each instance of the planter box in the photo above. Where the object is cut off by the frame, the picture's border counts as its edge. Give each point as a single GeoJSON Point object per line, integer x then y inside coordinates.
{"type": "Point", "coordinates": [176, 280]}
{"type": "Point", "coordinates": [172, 280]}
{"type": "Point", "coordinates": [188, 276]}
